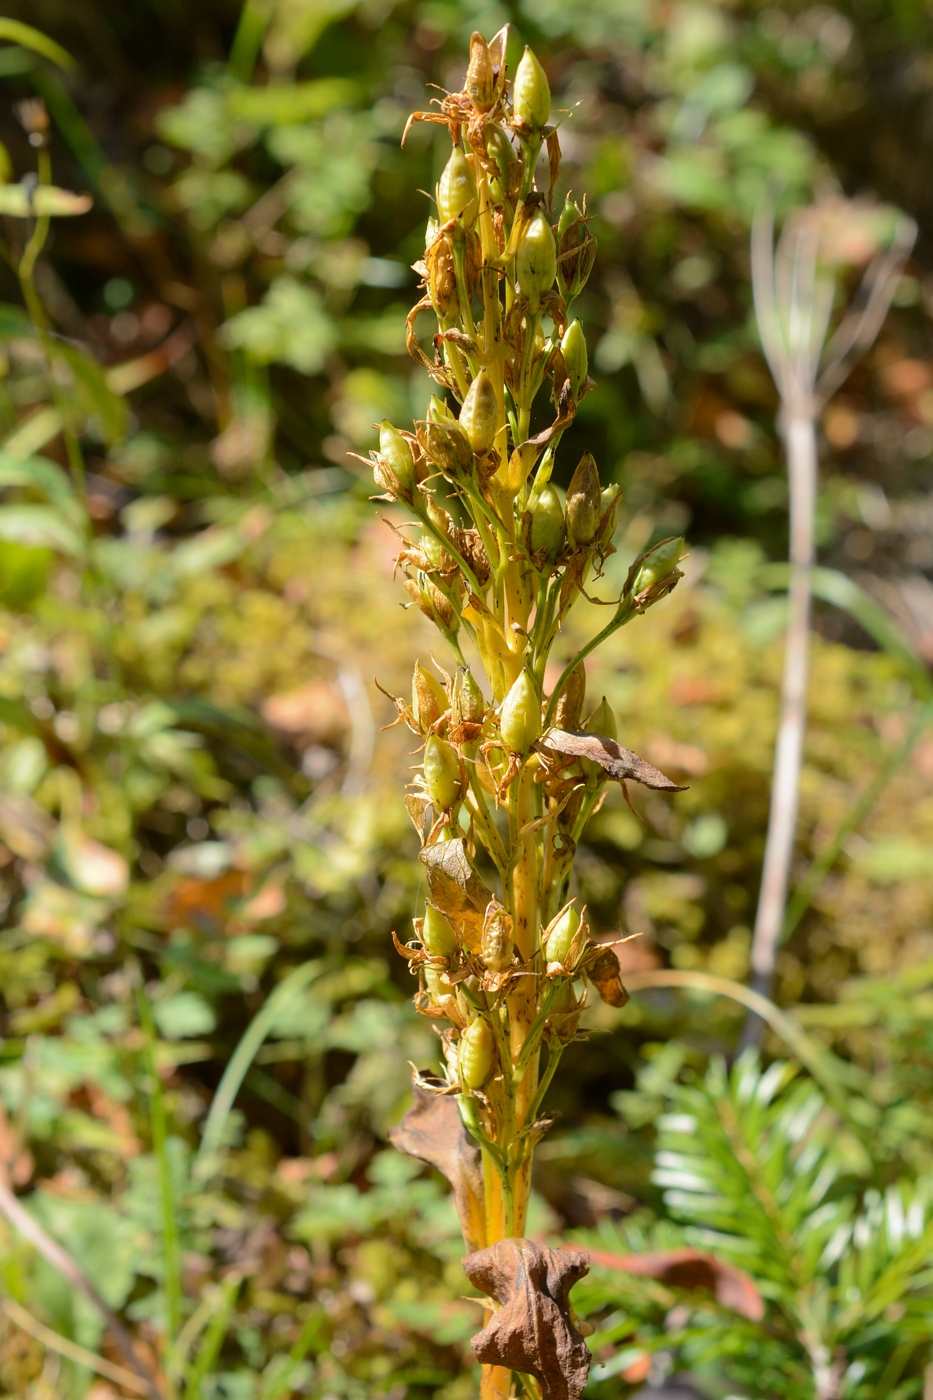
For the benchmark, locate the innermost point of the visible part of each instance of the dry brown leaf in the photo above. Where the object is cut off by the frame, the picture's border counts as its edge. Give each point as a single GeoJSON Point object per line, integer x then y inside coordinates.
{"type": "Point", "coordinates": [691, 1269]}
{"type": "Point", "coordinates": [618, 762]}
{"type": "Point", "coordinates": [605, 974]}
{"type": "Point", "coordinates": [433, 1131]}
{"type": "Point", "coordinates": [532, 1331]}
{"type": "Point", "coordinates": [456, 888]}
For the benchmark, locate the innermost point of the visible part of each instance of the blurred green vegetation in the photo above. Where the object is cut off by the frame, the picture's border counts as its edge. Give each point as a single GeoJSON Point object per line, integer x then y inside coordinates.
{"type": "Point", "coordinates": [196, 797]}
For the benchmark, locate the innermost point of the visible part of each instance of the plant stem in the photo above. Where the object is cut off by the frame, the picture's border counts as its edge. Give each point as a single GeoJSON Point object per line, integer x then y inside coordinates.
{"type": "Point", "coordinates": [802, 468]}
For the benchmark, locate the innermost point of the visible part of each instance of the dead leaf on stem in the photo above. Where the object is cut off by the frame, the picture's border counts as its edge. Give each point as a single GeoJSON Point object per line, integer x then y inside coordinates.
{"type": "Point", "coordinates": [618, 762]}
{"type": "Point", "coordinates": [433, 1131]}
{"type": "Point", "coordinates": [532, 1331]}
{"type": "Point", "coordinates": [456, 888]}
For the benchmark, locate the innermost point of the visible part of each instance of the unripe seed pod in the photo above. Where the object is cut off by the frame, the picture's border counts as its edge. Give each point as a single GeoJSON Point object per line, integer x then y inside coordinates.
{"type": "Point", "coordinates": [569, 706]}
{"type": "Point", "coordinates": [475, 1054]}
{"type": "Point", "coordinates": [520, 716]}
{"type": "Point", "coordinates": [576, 248]}
{"type": "Point", "coordinates": [480, 79]}
{"type": "Point", "coordinates": [479, 416]}
{"type": "Point", "coordinates": [576, 360]}
{"type": "Point", "coordinates": [531, 95]}
{"type": "Point", "coordinates": [446, 444]}
{"type": "Point", "coordinates": [547, 524]}
{"type": "Point", "coordinates": [428, 699]}
{"type": "Point", "coordinates": [609, 504]}
{"type": "Point", "coordinates": [430, 231]}
{"type": "Point", "coordinates": [438, 934]}
{"type": "Point", "coordinates": [559, 934]}
{"type": "Point", "coordinates": [442, 278]}
{"type": "Point", "coordinates": [435, 553]}
{"type": "Point", "coordinates": [584, 501]}
{"type": "Point", "coordinates": [536, 259]}
{"type": "Point", "coordinates": [500, 151]}
{"type": "Point", "coordinates": [438, 412]}
{"type": "Point", "coordinates": [496, 944]}
{"type": "Point", "coordinates": [442, 609]}
{"type": "Point", "coordinates": [602, 721]}
{"type": "Point", "coordinates": [456, 190]}
{"type": "Point", "coordinates": [397, 456]}
{"type": "Point", "coordinates": [658, 564]}
{"type": "Point", "coordinates": [468, 705]}
{"type": "Point", "coordinates": [442, 773]}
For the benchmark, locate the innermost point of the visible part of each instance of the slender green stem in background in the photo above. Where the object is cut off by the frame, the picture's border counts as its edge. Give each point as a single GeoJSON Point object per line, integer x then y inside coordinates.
{"type": "Point", "coordinates": [171, 1243]}
{"type": "Point", "coordinates": [822, 1065]}
{"type": "Point", "coordinates": [262, 1023]}
{"type": "Point", "coordinates": [827, 857]}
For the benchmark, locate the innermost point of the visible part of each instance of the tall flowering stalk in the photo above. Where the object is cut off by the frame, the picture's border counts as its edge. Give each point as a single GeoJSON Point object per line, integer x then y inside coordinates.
{"type": "Point", "coordinates": [510, 774]}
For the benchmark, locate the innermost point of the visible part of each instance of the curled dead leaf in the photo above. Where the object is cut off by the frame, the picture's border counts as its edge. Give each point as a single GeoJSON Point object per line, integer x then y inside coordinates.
{"type": "Point", "coordinates": [691, 1269]}
{"type": "Point", "coordinates": [605, 974]}
{"type": "Point", "coordinates": [432, 1130]}
{"type": "Point", "coordinates": [532, 1331]}
{"type": "Point", "coordinates": [618, 762]}
{"type": "Point", "coordinates": [456, 888]}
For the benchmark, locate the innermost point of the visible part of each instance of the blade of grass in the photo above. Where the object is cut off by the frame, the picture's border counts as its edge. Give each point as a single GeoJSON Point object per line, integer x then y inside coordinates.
{"type": "Point", "coordinates": [823, 863]}
{"type": "Point", "coordinates": [241, 1060]}
{"type": "Point", "coordinates": [52, 1252]}
{"type": "Point", "coordinates": [837, 588]}
{"type": "Point", "coordinates": [171, 1244]}
{"type": "Point", "coordinates": [64, 1346]}
{"type": "Point", "coordinates": [825, 1068]}
{"type": "Point", "coordinates": [280, 1384]}
{"type": "Point", "coordinates": [212, 1340]}
{"type": "Point", "coordinates": [28, 38]}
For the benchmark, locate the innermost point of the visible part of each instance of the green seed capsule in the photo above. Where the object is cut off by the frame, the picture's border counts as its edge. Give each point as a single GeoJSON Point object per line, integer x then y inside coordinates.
{"type": "Point", "coordinates": [479, 416]}
{"type": "Point", "coordinates": [602, 721]}
{"type": "Point", "coordinates": [536, 259]}
{"type": "Point", "coordinates": [577, 249]}
{"type": "Point", "coordinates": [584, 501]}
{"type": "Point", "coordinates": [475, 1054]}
{"type": "Point", "coordinates": [576, 360]}
{"type": "Point", "coordinates": [658, 564]}
{"type": "Point", "coordinates": [438, 412]}
{"type": "Point", "coordinates": [500, 151]}
{"type": "Point", "coordinates": [435, 553]}
{"type": "Point", "coordinates": [569, 706]}
{"type": "Point", "coordinates": [456, 191]}
{"type": "Point", "coordinates": [520, 716]}
{"type": "Point", "coordinates": [496, 943]}
{"type": "Point", "coordinates": [468, 705]}
{"type": "Point", "coordinates": [428, 699]}
{"type": "Point", "coordinates": [547, 525]}
{"type": "Point", "coordinates": [559, 935]}
{"type": "Point", "coordinates": [447, 445]}
{"type": "Point", "coordinates": [442, 773]}
{"type": "Point", "coordinates": [531, 95]}
{"type": "Point", "coordinates": [397, 456]}
{"type": "Point", "coordinates": [437, 934]}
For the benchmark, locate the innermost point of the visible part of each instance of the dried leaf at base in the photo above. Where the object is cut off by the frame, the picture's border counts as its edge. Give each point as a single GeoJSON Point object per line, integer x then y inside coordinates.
{"type": "Point", "coordinates": [532, 1331]}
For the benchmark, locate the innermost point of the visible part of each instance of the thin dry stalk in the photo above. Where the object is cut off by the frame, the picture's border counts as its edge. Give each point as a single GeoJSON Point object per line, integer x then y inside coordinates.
{"type": "Point", "coordinates": [62, 1262]}
{"type": "Point", "coordinates": [795, 287]}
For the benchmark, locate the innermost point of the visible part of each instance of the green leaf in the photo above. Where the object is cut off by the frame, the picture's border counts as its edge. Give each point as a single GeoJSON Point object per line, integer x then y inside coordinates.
{"type": "Point", "coordinates": [290, 326]}
{"type": "Point", "coordinates": [105, 410]}
{"type": "Point", "coordinates": [283, 104]}
{"type": "Point", "coordinates": [38, 525]}
{"type": "Point", "coordinates": [184, 1014]}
